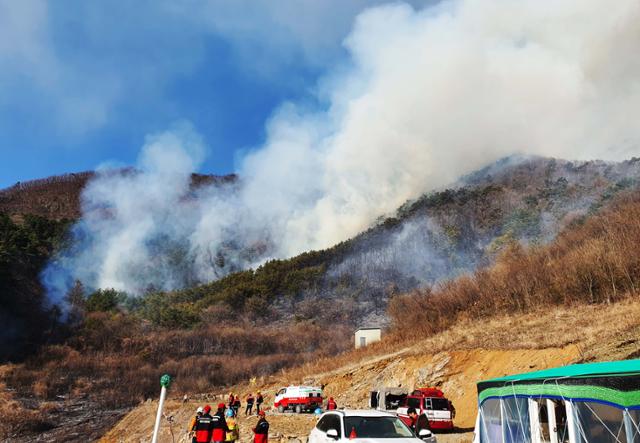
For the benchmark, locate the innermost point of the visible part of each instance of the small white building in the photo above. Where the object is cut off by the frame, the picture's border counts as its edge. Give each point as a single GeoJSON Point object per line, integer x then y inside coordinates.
{"type": "Point", "coordinates": [366, 336]}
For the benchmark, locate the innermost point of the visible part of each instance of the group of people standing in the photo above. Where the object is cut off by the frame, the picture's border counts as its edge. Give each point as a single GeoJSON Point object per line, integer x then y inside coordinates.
{"type": "Point", "coordinates": [222, 426]}
{"type": "Point", "coordinates": [251, 400]}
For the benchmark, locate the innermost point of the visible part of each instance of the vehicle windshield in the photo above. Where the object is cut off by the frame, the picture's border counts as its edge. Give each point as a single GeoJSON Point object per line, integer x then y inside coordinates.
{"type": "Point", "coordinates": [413, 402]}
{"type": "Point", "coordinates": [375, 427]}
{"type": "Point", "coordinates": [439, 404]}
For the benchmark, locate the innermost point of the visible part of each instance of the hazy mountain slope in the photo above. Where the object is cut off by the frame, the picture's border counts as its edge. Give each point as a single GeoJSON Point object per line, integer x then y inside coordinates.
{"type": "Point", "coordinates": [59, 197]}
{"type": "Point", "coordinates": [294, 311]}
{"type": "Point", "coordinates": [438, 236]}
{"type": "Point", "coordinates": [34, 220]}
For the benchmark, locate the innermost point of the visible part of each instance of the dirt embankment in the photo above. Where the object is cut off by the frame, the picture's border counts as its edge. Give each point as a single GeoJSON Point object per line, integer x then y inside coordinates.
{"type": "Point", "coordinates": [455, 361]}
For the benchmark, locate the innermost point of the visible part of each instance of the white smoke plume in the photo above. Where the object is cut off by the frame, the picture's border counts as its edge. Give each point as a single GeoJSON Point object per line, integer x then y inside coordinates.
{"type": "Point", "coordinates": [428, 95]}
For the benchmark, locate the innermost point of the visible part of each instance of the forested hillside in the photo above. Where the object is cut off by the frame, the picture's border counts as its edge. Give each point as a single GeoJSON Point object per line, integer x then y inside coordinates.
{"type": "Point", "coordinates": [111, 346]}
{"type": "Point", "coordinates": [27, 319]}
{"type": "Point", "coordinates": [438, 236]}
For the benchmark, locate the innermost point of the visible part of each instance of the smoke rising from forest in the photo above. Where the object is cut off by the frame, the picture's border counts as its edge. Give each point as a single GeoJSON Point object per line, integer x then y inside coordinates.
{"type": "Point", "coordinates": [427, 96]}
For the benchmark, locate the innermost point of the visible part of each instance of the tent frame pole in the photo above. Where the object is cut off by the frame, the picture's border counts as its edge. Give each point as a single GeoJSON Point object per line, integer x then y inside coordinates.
{"type": "Point", "coordinates": [553, 427]}
{"type": "Point", "coordinates": [503, 422]}
{"type": "Point", "coordinates": [534, 420]}
{"type": "Point", "coordinates": [571, 421]}
{"type": "Point", "coordinates": [629, 428]}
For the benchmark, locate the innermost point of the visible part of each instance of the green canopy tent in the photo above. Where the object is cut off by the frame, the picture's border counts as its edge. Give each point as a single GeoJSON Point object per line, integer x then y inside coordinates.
{"type": "Point", "coordinates": [585, 403]}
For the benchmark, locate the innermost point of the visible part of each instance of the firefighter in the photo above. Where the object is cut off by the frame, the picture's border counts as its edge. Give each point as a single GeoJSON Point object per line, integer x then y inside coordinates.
{"type": "Point", "coordinates": [192, 425]}
{"type": "Point", "coordinates": [331, 404]}
{"type": "Point", "coordinates": [418, 423]}
{"type": "Point", "coordinates": [233, 433]}
{"type": "Point", "coordinates": [219, 425]}
{"type": "Point", "coordinates": [249, 409]}
{"type": "Point", "coordinates": [261, 430]}
{"type": "Point", "coordinates": [259, 401]}
{"type": "Point", "coordinates": [236, 405]}
{"type": "Point", "coordinates": [204, 426]}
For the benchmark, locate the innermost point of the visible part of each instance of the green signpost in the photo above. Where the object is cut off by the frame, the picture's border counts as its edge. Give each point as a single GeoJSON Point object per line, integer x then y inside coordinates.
{"type": "Point", "coordinates": [165, 381]}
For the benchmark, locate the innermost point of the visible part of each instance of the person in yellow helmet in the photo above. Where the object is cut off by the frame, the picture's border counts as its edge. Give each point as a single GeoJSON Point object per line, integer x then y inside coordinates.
{"type": "Point", "coordinates": [233, 432]}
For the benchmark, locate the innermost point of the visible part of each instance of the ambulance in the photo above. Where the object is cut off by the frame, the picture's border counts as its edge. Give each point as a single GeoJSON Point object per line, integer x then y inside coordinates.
{"type": "Point", "coordinates": [298, 399]}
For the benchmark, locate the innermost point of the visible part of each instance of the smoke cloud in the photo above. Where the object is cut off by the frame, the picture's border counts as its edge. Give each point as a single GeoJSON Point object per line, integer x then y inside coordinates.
{"type": "Point", "coordinates": [427, 96]}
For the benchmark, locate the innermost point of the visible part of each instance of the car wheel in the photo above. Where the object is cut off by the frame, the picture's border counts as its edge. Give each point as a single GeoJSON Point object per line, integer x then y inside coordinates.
{"type": "Point", "coordinates": [281, 409]}
{"type": "Point", "coordinates": [298, 409]}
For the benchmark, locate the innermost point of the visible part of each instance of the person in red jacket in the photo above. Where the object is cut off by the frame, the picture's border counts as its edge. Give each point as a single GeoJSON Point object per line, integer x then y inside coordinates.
{"type": "Point", "coordinates": [331, 404]}
{"type": "Point", "coordinates": [204, 426]}
{"type": "Point", "coordinates": [261, 430]}
{"type": "Point", "coordinates": [219, 425]}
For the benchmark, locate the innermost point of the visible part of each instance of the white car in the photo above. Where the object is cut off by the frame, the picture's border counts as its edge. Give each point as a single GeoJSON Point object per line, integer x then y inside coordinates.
{"type": "Point", "coordinates": [368, 426]}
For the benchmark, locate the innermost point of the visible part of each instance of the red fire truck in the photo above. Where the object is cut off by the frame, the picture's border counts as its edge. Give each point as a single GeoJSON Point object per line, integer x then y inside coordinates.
{"type": "Point", "coordinates": [431, 402]}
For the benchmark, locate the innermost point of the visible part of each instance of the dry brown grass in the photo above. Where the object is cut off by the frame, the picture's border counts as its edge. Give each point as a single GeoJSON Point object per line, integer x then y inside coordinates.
{"type": "Point", "coordinates": [598, 331]}
{"type": "Point", "coordinates": [590, 263]}
{"type": "Point", "coordinates": [122, 368]}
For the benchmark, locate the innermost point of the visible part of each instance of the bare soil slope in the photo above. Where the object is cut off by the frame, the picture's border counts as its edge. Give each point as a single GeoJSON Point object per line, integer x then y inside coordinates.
{"type": "Point", "coordinates": [454, 360]}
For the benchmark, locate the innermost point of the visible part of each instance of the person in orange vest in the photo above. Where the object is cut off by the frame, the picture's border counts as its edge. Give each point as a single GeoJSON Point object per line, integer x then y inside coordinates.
{"type": "Point", "coordinates": [219, 425]}
{"type": "Point", "coordinates": [261, 430]}
{"type": "Point", "coordinates": [249, 409]}
{"type": "Point", "coordinates": [331, 404]}
{"type": "Point", "coordinates": [204, 426]}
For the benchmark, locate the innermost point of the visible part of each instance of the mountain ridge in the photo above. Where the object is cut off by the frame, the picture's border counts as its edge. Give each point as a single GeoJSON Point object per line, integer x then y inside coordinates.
{"type": "Point", "coordinates": [58, 197]}
{"type": "Point", "coordinates": [297, 311]}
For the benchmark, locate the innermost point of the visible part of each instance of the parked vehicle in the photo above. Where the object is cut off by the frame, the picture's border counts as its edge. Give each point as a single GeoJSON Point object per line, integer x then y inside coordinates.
{"type": "Point", "coordinates": [387, 399]}
{"type": "Point", "coordinates": [431, 402]}
{"type": "Point", "coordinates": [298, 399]}
{"type": "Point", "coordinates": [428, 401]}
{"type": "Point", "coordinates": [373, 426]}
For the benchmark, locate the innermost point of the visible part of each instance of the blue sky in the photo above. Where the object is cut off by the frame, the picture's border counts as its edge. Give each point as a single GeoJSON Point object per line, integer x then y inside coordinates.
{"type": "Point", "coordinates": [82, 83]}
